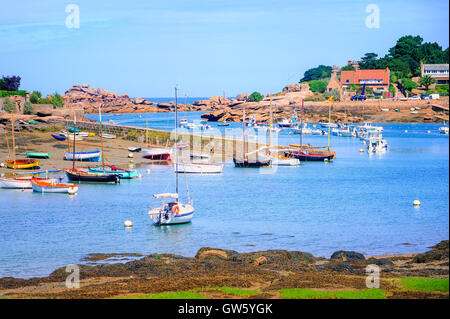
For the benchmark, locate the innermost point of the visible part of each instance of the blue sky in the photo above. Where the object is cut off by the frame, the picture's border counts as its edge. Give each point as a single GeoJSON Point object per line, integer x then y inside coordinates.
{"type": "Point", "coordinates": [145, 47]}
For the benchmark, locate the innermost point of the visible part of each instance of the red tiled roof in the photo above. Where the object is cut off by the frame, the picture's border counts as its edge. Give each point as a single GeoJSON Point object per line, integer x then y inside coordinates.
{"type": "Point", "coordinates": [356, 76]}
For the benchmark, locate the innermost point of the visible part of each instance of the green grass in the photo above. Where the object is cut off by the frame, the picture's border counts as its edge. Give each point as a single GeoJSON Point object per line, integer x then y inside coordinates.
{"type": "Point", "coordinates": [297, 293]}
{"type": "Point", "coordinates": [166, 295]}
{"type": "Point", "coordinates": [424, 284]}
{"type": "Point", "coordinates": [232, 291]}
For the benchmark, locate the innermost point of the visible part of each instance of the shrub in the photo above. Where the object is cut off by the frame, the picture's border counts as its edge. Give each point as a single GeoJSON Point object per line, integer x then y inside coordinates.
{"type": "Point", "coordinates": [35, 96]}
{"type": "Point", "coordinates": [57, 100]}
{"type": "Point", "coordinates": [255, 97]}
{"type": "Point", "coordinates": [4, 93]}
{"type": "Point", "coordinates": [9, 106]}
{"type": "Point", "coordinates": [10, 83]}
{"type": "Point", "coordinates": [409, 84]}
{"type": "Point", "coordinates": [317, 86]}
{"type": "Point", "coordinates": [316, 97]}
{"type": "Point", "coordinates": [44, 101]}
{"type": "Point", "coordinates": [27, 108]}
{"type": "Point", "coordinates": [334, 93]}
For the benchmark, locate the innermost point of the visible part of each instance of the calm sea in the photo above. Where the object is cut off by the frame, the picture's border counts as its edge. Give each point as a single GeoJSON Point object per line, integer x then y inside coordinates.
{"type": "Point", "coordinates": [357, 202]}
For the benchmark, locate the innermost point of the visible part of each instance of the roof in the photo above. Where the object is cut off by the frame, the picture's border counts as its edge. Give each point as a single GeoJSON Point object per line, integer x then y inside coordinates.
{"type": "Point", "coordinates": [435, 67]}
{"type": "Point", "coordinates": [356, 76]}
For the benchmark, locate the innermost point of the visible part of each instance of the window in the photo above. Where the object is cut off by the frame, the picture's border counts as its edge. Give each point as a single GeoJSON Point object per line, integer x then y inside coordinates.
{"type": "Point", "coordinates": [347, 81]}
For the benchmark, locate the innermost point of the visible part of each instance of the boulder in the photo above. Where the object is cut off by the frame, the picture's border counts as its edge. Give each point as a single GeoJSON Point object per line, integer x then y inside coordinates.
{"type": "Point", "coordinates": [343, 255]}
{"type": "Point", "coordinates": [380, 261]}
{"type": "Point", "coordinates": [242, 97]}
{"type": "Point", "coordinates": [215, 253]}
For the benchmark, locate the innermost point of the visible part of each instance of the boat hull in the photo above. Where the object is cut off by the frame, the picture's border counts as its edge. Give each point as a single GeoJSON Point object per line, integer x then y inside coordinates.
{"type": "Point", "coordinates": [23, 163]}
{"type": "Point", "coordinates": [121, 173]}
{"type": "Point", "coordinates": [93, 156]}
{"type": "Point", "coordinates": [48, 187]}
{"type": "Point", "coordinates": [87, 177]}
{"type": "Point", "coordinates": [18, 183]}
{"type": "Point", "coordinates": [38, 155]}
{"type": "Point", "coordinates": [253, 164]}
{"type": "Point", "coordinates": [310, 157]}
{"type": "Point", "coordinates": [198, 168]}
{"type": "Point", "coordinates": [159, 154]}
{"type": "Point", "coordinates": [160, 217]}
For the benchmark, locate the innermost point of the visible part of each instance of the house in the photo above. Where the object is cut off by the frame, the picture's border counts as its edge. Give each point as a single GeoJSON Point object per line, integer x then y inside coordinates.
{"type": "Point", "coordinates": [439, 72]}
{"type": "Point", "coordinates": [378, 79]}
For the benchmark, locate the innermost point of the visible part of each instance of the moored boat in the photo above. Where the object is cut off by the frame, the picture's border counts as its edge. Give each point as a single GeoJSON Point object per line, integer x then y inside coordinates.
{"type": "Point", "coordinates": [122, 173]}
{"type": "Point", "coordinates": [198, 168]}
{"type": "Point", "coordinates": [306, 155]}
{"type": "Point", "coordinates": [37, 155]}
{"type": "Point", "coordinates": [244, 163]}
{"type": "Point", "coordinates": [40, 186]}
{"type": "Point", "coordinates": [157, 153]}
{"type": "Point", "coordinates": [59, 138]}
{"type": "Point", "coordinates": [18, 183]}
{"type": "Point", "coordinates": [134, 149]}
{"type": "Point", "coordinates": [77, 175]}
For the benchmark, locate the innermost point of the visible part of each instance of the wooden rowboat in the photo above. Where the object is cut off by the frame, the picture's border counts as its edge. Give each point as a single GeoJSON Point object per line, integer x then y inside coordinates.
{"type": "Point", "coordinates": [22, 163]}
{"type": "Point", "coordinates": [40, 186]}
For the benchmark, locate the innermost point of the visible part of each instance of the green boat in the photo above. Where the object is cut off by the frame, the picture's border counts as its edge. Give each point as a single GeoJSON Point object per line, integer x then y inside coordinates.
{"type": "Point", "coordinates": [122, 173]}
{"type": "Point", "coordinates": [37, 155]}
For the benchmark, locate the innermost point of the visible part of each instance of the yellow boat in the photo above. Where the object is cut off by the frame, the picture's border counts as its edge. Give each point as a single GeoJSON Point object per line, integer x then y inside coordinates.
{"type": "Point", "coordinates": [22, 163]}
{"type": "Point", "coordinates": [91, 134]}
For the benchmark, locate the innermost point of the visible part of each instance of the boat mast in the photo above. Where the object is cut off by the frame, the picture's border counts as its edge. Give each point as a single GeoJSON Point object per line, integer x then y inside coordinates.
{"type": "Point", "coordinates": [301, 126]}
{"type": "Point", "coordinates": [14, 143]}
{"type": "Point", "coordinates": [176, 141]}
{"type": "Point", "coordinates": [185, 107]}
{"type": "Point", "coordinates": [146, 132]}
{"type": "Point", "coordinates": [74, 128]}
{"type": "Point", "coordinates": [329, 122]}
{"type": "Point", "coordinates": [243, 135]}
{"type": "Point", "coordinates": [270, 125]}
{"type": "Point", "coordinates": [101, 134]}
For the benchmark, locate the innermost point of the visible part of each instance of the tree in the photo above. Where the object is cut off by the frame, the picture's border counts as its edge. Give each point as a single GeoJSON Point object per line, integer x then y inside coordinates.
{"type": "Point", "coordinates": [320, 72]}
{"type": "Point", "coordinates": [348, 68]}
{"type": "Point", "coordinates": [35, 96]}
{"type": "Point", "coordinates": [368, 61]}
{"type": "Point", "coordinates": [426, 81]}
{"type": "Point", "coordinates": [10, 83]}
{"type": "Point", "coordinates": [9, 106]}
{"type": "Point", "coordinates": [255, 97]}
{"type": "Point", "coordinates": [334, 93]}
{"type": "Point", "coordinates": [57, 100]}
{"type": "Point", "coordinates": [409, 84]}
{"type": "Point", "coordinates": [317, 86]}
{"type": "Point", "coordinates": [27, 108]}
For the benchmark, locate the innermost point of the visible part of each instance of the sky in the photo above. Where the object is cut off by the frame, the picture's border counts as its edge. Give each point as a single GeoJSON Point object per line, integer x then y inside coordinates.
{"type": "Point", "coordinates": [145, 47]}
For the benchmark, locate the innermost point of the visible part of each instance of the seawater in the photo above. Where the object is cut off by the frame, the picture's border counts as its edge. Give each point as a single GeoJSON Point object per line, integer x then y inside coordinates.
{"type": "Point", "coordinates": [357, 202]}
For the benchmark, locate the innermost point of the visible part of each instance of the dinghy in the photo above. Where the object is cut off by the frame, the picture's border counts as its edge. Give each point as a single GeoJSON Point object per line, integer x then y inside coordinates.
{"type": "Point", "coordinates": [77, 175]}
{"type": "Point", "coordinates": [19, 183]}
{"type": "Point", "coordinates": [198, 168]}
{"type": "Point", "coordinates": [59, 138]}
{"type": "Point", "coordinates": [37, 155]}
{"type": "Point", "coordinates": [157, 153]}
{"type": "Point", "coordinates": [52, 187]}
{"type": "Point", "coordinates": [22, 163]}
{"type": "Point", "coordinates": [134, 149]}
{"type": "Point", "coordinates": [122, 173]}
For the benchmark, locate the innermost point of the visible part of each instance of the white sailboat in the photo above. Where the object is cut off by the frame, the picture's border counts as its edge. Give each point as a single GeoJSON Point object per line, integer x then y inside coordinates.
{"type": "Point", "coordinates": [172, 211]}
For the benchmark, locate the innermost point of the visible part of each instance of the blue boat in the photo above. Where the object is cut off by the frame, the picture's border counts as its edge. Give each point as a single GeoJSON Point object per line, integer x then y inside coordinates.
{"type": "Point", "coordinates": [122, 173]}
{"type": "Point", "coordinates": [71, 129]}
{"type": "Point", "coordinates": [59, 138]}
{"type": "Point", "coordinates": [91, 156]}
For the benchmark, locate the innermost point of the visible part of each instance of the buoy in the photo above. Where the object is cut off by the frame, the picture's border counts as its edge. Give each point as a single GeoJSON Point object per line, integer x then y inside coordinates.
{"type": "Point", "coordinates": [131, 161]}
{"type": "Point", "coordinates": [361, 150]}
{"type": "Point", "coordinates": [148, 170]}
{"type": "Point", "coordinates": [428, 132]}
{"type": "Point", "coordinates": [2, 164]}
{"type": "Point", "coordinates": [364, 142]}
{"type": "Point", "coordinates": [71, 191]}
{"type": "Point", "coordinates": [325, 160]}
{"type": "Point", "coordinates": [130, 155]}
{"type": "Point", "coordinates": [128, 223]}
{"type": "Point", "coordinates": [406, 131]}
{"type": "Point", "coordinates": [139, 175]}
{"type": "Point", "coordinates": [416, 202]}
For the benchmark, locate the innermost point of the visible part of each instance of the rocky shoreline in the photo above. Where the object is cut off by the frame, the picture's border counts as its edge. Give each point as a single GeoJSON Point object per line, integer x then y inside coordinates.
{"type": "Point", "coordinates": [266, 272]}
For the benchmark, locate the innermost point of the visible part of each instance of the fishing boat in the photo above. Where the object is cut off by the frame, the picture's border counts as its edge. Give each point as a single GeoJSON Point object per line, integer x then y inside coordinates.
{"type": "Point", "coordinates": [328, 125]}
{"type": "Point", "coordinates": [225, 123]}
{"type": "Point", "coordinates": [89, 156]}
{"type": "Point", "coordinates": [198, 168]}
{"type": "Point", "coordinates": [244, 161]}
{"type": "Point", "coordinates": [285, 123]}
{"type": "Point", "coordinates": [40, 186]}
{"type": "Point", "coordinates": [443, 130]}
{"type": "Point", "coordinates": [59, 138]}
{"type": "Point", "coordinates": [71, 129]}
{"type": "Point", "coordinates": [172, 211]}
{"type": "Point", "coordinates": [22, 163]}
{"type": "Point", "coordinates": [37, 155]}
{"type": "Point", "coordinates": [122, 173]}
{"type": "Point", "coordinates": [184, 123]}
{"type": "Point", "coordinates": [377, 145]}
{"type": "Point", "coordinates": [157, 153]}
{"type": "Point", "coordinates": [77, 175]}
{"type": "Point", "coordinates": [134, 149]}
{"type": "Point", "coordinates": [71, 136]}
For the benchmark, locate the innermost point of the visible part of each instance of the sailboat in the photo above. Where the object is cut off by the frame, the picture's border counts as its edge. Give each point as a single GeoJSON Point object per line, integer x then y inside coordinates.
{"type": "Point", "coordinates": [309, 154]}
{"type": "Point", "coordinates": [172, 211]}
{"type": "Point", "coordinates": [109, 169]}
{"type": "Point", "coordinates": [244, 161]}
{"type": "Point", "coordinates": [78, 175]}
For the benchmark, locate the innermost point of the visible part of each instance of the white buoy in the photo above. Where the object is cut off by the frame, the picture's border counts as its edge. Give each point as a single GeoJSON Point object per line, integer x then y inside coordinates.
{"type": "Point", "coordinates": [364, 142]}
{"type": "Point", "coordinates": [406, 131]}
{"type": "Point", "coordinates": [428, 132]}
{"type": "Point", "coordinates": [148, 170]}
{"type": "Point", "coordinates": [130, 155]}
{"type": "Point", "coordinates": [128, 223]}
{"type": "Point", "coordinates": [71, 191]}
{"type": "Point", "coordinates": [361, 150]}
{"type": "Point", "coordinates": [139, 175]}
{"type": "Point", "coordinates": [2, 164]}
{"type": "Point", "coordinates": [416, 202]}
